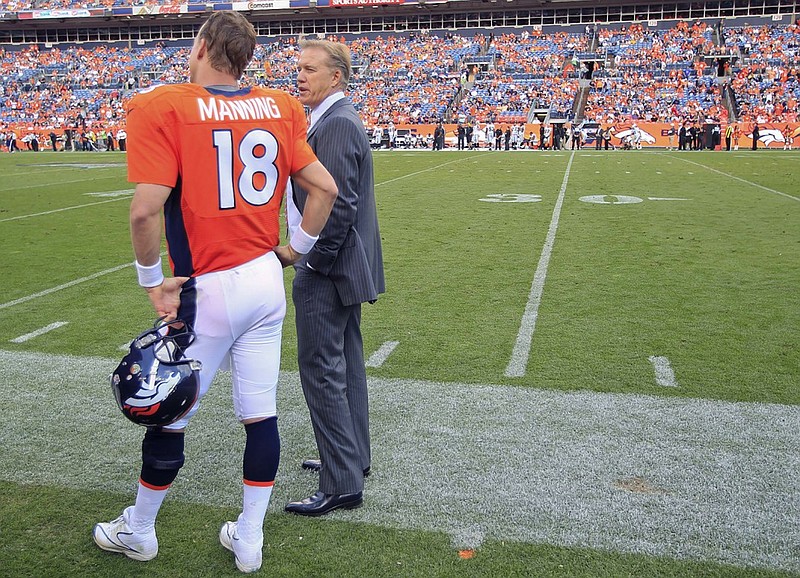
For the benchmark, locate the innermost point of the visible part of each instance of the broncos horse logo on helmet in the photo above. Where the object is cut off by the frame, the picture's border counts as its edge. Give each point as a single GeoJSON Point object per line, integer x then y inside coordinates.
{"type": "Point", "coordinates": [154, 384]}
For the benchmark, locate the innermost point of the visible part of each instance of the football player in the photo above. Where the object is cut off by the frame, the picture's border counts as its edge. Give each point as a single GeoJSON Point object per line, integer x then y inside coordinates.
{"type": "Point", "coordinates": [214, 158]}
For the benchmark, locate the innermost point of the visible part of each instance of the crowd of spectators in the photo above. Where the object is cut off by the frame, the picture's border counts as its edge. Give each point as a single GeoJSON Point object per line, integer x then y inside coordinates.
{"type": "Point", "coordinates": [766, 83]}
{"type": "Point", "coordinates": [531, 70]}
{"type": "Point", "coordinates": [656, 75]}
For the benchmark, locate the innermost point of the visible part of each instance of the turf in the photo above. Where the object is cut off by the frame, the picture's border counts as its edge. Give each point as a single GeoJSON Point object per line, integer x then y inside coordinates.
{"type": "Point", "coordinates": [709, 282]}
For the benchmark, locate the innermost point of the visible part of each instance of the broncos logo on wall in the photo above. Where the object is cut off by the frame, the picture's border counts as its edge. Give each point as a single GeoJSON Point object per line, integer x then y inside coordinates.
{"type": "Point", "coordinates": [773, 132]}
{"type": "Point", "coordinates": [626, 130]}
{"type": "Point", "coordinates": [768, 135]}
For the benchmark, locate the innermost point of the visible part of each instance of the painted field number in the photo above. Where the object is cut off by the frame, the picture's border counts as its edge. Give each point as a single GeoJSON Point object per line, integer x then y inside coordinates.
{"type": "Point", "coordinates": [610, 199]}
{"type": "Point", "coordinates": [511, 198]}
{"type": "Point", "coordinates": [623, 199]}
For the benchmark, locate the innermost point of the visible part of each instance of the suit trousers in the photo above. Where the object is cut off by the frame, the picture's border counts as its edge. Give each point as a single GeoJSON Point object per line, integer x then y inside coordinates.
{"type": "Point", "coordinates": [331, 361]}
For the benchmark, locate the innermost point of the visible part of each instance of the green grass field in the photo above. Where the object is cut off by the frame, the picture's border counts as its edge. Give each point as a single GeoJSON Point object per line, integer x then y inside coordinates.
{"type": "Point", "coordinates": [650, 427]}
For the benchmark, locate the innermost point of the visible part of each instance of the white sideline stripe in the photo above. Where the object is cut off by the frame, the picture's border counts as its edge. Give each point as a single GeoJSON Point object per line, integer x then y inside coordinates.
{"type": "Point", "coordinates": [522, 347]}
{"type": "Point", "coordinates": [429, 169]}
{"type": "Point", "coordinates": [664, 374]}
{"type": "Point", "coordinates": [38, 332]}
{"type": "Point", "coordinates": [63, 209]}
{"type": "Point", "coordinates": [383, 352]}
{"type": "Point", "coordinates": [674, 477]}
{"type": "Point", "coordinates": [64, 286]}
{"type": "Point", "coordinates": [751, 183]}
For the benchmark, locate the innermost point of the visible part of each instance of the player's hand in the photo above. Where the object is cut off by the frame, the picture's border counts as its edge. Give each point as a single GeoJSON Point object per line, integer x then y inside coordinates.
{"type": "Point", "coordinates": [166, 298]}
{"type": "Point", "coordinates": [286, 255]}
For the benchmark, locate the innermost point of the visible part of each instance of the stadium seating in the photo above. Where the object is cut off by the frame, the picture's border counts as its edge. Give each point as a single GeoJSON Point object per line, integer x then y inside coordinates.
{"type": "Point", "coordinates": [657, 75]}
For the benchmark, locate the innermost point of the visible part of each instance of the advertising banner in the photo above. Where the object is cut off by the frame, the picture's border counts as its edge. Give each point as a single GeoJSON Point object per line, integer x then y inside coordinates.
{"type": "Point", "coordinates": [364, 2]}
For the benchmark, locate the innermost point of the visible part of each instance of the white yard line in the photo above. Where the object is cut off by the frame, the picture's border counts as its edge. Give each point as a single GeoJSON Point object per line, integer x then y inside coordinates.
{"type": "Point", "coordinates": [730, 176]}
{"type": "Point", "coordinates": [38, 332]}
{"type": "Point", "coordinates": [64, 209]}
{"type": "Point", "coordinates": [384, 351]}
{"type": "Point", "coordinates": [68, 284]}
{"type": "Point", "coordinates": [665, 377]}
{"type": "Point", "coordinates": [429, 169]}
{"type": "Point", "coordinates": [58, 184]}
{"type": "Point", "coordinates": [522, 347]}
{"type": "Point", "coordinates": [64, 286]}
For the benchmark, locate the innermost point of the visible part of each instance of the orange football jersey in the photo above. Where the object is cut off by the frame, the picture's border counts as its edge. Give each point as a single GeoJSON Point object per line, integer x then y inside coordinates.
{"type": "Point", "coordinates": [227, 157]}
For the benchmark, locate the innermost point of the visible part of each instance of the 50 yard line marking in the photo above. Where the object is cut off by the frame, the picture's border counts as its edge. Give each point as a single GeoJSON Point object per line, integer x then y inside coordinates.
{"type": "Point", "coordinates": [522, 347]}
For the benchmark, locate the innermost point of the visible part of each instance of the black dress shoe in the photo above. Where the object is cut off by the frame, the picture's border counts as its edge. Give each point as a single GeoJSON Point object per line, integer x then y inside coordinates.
{"type": "Point", "coordinates": [316, 465]}
{"type": "Point", "coordinates": [320, 504]}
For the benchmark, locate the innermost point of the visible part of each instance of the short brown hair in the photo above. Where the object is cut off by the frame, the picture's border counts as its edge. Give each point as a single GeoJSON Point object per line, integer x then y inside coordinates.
{"type": "Point", "coordinates": [338, 57]}
{"type": "Point", "coordinates": [231, 41]}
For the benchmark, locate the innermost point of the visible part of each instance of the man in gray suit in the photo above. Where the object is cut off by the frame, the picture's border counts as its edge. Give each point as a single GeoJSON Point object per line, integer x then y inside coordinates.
{"type": "Point", "coordinates": [342, 271]}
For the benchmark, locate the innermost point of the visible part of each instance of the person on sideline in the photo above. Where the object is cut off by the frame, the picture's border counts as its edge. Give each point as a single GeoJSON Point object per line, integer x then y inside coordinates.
{"type": "Point", "coordinates": [728, 136]}
{"type": "Point", "coordinates": [343, 270]}
{"type": "Point", "coordinates": [215, 158]}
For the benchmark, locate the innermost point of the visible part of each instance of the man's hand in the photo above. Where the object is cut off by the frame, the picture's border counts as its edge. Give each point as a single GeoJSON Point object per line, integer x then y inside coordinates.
{"type": "Point", "coordinates": [166, 298]}
{"type": "Point", "coordinates": [286, 255]}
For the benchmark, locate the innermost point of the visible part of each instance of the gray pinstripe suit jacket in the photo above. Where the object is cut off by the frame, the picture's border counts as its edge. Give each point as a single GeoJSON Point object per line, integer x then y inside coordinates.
{"type": "Point", "coordinates": [349, 248]}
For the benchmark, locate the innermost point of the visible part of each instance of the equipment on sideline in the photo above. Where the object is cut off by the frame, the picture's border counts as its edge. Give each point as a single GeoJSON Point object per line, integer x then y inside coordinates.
{"type": "Point", "coordinates": [154, 385]}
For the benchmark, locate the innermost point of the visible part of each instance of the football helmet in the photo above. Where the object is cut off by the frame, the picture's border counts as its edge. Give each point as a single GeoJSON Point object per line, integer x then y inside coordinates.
{"type": "Point", "coordinates": [154, 384]}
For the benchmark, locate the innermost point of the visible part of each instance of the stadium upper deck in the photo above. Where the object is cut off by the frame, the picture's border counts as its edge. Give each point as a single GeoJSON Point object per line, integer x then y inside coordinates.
{"type": "Point", "coordinates": [56, 21]}
{"type": "Point", "coordinates": [656, 71]}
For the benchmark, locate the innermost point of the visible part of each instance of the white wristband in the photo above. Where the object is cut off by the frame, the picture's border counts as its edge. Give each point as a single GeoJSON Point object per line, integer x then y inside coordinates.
{"type": "Point", "coordinates": [301, 241]}
{"type": "Point", "coordinates": [150, 275]}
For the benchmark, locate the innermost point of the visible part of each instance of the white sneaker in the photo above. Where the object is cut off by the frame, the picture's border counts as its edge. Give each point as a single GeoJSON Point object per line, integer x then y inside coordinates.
{"type": "Point", "coordinates": [117, 536]}
{"type": "Point", "coordinates": [248, 556]}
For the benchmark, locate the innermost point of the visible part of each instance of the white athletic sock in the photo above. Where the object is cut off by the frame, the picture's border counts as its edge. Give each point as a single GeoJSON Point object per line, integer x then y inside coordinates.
{"type": "Point", "coordinates": [148, 502]}
{"type": "Point", "coordinates": [254, 509]}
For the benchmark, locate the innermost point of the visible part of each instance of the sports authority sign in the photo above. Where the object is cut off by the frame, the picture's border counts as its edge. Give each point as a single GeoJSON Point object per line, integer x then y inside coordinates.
{"type": "Point", "coordinates": [364, 2]}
